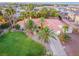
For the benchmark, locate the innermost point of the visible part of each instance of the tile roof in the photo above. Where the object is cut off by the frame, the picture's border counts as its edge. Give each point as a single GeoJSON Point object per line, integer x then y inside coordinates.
{"type": "Point", "coordinates": [51, 23]}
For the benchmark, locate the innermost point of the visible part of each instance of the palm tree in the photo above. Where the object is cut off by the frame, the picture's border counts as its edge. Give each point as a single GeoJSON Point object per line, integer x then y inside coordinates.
{"type": "Point", "coordinates": [42, 22]}
{"type": "Point", "coordinates": [30, 8]}
{"type": "Point", "coordinates": [46, 33]}
{"type": "Point", "coordinates": [30, 26]}
{"type": "Point", "coordinates": [65, 28]}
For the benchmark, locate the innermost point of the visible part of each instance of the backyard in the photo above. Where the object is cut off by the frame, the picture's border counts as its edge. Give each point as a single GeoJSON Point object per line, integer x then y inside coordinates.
{"type": "Point", "coordinates": [18, 44]}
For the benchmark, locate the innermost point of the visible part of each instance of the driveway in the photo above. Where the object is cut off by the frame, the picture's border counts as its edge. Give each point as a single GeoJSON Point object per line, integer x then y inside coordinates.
{"type": "Point", "coordinates": [72, 47]}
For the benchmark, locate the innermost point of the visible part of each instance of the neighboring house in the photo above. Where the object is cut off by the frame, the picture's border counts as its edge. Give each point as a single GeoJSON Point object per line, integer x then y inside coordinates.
{"type": "Point", "coordinates": [77, 19]}
{"type": "Point", "coordinates": [71, 15]}
{"type": "Point", "coordinates": [74, 16]}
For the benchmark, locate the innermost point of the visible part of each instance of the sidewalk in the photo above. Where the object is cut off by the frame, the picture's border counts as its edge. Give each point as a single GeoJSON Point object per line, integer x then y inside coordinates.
{"type": "Point", "coordinates": [56, 47]}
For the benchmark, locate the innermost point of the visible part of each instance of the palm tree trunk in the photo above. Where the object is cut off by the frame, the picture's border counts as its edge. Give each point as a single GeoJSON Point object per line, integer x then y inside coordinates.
{"type": "Point", "coordinates": [41, 25]}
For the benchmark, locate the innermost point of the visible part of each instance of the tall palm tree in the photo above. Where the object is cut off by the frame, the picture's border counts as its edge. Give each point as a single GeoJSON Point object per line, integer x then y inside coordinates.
{"type": "Point", "coordinates": [30, 26]}
{"type": "Point", "coordinates": [42, 22]}
{"type": "Point", "coordinates": [30, 8]}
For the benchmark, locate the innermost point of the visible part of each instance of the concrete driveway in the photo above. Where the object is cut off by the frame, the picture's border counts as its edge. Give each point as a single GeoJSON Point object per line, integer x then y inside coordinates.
{"type": "Point", "coordinates": [72, 47]}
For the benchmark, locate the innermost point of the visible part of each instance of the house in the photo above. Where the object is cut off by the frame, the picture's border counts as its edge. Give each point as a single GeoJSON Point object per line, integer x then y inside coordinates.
{"type": "Point", "coordinates": [53, 24]}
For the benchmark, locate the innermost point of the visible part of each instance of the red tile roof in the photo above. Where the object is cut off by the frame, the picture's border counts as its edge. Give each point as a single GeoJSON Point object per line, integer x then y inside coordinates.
{"type": "Point", "coordinates": [51, 23]}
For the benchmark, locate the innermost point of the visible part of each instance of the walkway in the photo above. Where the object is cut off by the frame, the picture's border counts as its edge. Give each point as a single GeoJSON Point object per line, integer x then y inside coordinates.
{"type": "Point", "coordinates": [56, 47]}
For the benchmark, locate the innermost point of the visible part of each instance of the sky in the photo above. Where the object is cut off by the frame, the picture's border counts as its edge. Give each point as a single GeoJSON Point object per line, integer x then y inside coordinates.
{"type": "Point", "coordinates": [39, 0]}
{"type": "Point", "coordinates": [48, 2]}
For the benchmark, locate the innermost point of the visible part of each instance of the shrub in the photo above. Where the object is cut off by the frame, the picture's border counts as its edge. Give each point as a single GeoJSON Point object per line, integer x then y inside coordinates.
{"type": "Point", "coordinates": [64, 37]}
{"type": "Point", "coordinates": [17, 27]}
{"type": "Point", "coordinates": [1, 31]}
{"type": "Point", "coordinates": [65, 27]}
{"type": "Point", "coordinates": [3, 26]}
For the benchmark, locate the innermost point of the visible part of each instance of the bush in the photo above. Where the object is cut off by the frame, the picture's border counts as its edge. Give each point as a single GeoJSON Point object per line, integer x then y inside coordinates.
{"type": "Point", "coordinates": [17, 27]}
{"type": "Point", "coordinates": [3, 26]}
{"type": "Point", "coordinates": [65, 27]}
{"type": "Point", "coordinates": [1, 31]}
{"type": "Point", "coordinates": [64, 37]}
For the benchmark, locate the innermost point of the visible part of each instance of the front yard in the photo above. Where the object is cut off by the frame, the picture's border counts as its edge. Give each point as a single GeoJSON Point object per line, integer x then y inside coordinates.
{"type": "Point", "coordinates": [17, 43]}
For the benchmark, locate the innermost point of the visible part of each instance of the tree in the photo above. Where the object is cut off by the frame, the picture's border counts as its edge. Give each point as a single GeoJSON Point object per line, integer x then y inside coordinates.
{"type": "Point", "coordinates": [64, 37]}
{"type": "Point", "coordinates": [42, 22]}
{"type": "Point", "coordinates": [23, 15]}
{"type": "Point", "coordinates": [4, 26]}
{"type": "Point", "coordinates": [9, 14]}
{"type": "Point", "coordinates": [43, 12]}
{"type": "Point", "coordinates": [30, 7]}
{"type": "Point", "coordinates": [65, 28]}
{"type": "Point", "coordinates": [46, 33]}
{"type": "Point", "coordinates": [53, 13]}
{"type": "Point", "coordinates": [2, 19]}
{"type": "Point", "coordinates": [33, 14]}
{"type": "Point", "coordinates": [30, 25]}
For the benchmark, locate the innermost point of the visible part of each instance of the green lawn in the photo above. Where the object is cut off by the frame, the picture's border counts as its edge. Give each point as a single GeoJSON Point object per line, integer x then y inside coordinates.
{"type": "Point", "coordinates": [18, 44]}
